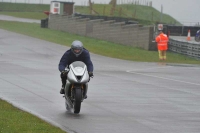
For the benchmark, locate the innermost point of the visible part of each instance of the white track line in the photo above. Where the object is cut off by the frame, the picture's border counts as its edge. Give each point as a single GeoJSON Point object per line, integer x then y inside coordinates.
{"type": "Point", "coordinates": [130, 71]}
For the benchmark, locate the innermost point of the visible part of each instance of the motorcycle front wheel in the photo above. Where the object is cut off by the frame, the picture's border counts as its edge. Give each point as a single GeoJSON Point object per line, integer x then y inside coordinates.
{"type": "Point", "coordinates": [77, 101]}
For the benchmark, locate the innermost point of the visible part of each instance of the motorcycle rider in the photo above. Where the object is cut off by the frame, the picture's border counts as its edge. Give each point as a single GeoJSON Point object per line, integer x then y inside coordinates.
{"type": "Point", "coordinates": [76, 53]}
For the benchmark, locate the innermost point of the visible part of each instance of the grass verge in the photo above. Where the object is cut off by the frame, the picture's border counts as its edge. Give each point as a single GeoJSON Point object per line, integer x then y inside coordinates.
{"type": "Point", "coordinates": [94, 45]}
{"type": "Point", "coordinates": [14, 120]}
{"type": "Point", "coordinates": [23, 7]}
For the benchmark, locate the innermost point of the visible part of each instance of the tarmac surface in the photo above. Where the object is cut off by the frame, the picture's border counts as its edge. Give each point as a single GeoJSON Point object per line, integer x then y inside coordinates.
{"type": "Point", "coordinates": [11, 18]}
{"type": "Point", "coordinates": [184, 39]}
{"type": "Point", "coordinates": [123, 97]}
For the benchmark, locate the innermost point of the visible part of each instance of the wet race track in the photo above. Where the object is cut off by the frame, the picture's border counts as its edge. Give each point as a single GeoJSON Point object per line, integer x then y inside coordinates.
{"type": "Point", "coordinates": [184, 39]}
{"type": "Point", "coordinates": [123, 96]}
{"type": "Point", "coordinates": [10, 18]}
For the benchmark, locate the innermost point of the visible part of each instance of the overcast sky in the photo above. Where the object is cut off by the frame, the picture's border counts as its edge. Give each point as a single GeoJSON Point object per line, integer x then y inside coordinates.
{"type": "Point", "coordinates": [182, 10]}
{"type": "Point", "coordinates": [185, 11]}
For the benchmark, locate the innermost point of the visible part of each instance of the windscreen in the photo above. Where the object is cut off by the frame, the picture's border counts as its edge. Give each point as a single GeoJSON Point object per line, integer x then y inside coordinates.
{"type": "Point", "coordinates": [78, 64]}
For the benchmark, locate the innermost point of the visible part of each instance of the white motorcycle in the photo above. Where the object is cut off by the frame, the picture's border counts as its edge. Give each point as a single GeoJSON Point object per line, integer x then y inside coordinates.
{"type": "Point", "coordinates": [76, 86]}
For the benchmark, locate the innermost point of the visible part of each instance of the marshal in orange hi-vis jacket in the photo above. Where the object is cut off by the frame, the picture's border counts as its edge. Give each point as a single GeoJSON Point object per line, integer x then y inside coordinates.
{"type": "Point", "coordinates": [162, 45]}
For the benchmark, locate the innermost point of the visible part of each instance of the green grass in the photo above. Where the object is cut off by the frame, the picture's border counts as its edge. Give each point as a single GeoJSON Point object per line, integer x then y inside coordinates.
{"type": "Point", "coordinates": [30, 15]}
{"type": "Point", "coordinates": [94, 45]}
{"type": "Point", "coordinates": [14, 120]}
{"type": "Point", "coordinates": [146, 13]}
{"type": "Point", "coordinates": [137, 12]}
{"type": "Point", "coordinates": [23, 7]}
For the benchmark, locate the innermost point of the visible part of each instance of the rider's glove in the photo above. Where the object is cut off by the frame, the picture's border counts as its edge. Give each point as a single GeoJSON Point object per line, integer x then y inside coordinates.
{"type": "Point", "coordinates": [64, 73]}
{"type": "Point", "coordinates": [91, 74]}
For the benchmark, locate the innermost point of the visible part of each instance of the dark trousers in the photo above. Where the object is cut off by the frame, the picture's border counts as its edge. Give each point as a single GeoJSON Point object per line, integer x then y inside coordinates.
{"type": "Point", "coordinates": [63, 79]}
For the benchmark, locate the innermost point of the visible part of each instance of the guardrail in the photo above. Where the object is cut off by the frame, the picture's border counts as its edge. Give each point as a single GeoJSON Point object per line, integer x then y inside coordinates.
{"type": "Point", "coordinates": [191, 49]}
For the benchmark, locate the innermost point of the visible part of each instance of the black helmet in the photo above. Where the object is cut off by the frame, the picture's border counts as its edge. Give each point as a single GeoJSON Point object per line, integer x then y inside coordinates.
{"type": "Point", "coordinates": [77, 47]}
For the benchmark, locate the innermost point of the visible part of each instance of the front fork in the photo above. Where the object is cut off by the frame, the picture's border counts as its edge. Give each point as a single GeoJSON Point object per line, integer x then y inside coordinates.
{"type": "Point", "coordinates": [70, 87]}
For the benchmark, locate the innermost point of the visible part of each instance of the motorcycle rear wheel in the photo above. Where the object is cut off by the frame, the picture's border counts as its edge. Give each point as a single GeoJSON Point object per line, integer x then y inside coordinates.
{"type": "Point", "coordinates": [78, 99]}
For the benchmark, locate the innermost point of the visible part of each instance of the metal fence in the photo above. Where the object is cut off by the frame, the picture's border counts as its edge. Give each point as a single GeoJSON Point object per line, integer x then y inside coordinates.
{"type": "Point", "coordinates": [182, 30]}
{"type": "Point", "coordinates": [191, 49]}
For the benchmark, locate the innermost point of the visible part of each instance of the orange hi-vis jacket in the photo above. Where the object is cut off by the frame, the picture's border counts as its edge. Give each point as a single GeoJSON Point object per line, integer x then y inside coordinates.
{"type": "Point", "coordinates": [162, 41]}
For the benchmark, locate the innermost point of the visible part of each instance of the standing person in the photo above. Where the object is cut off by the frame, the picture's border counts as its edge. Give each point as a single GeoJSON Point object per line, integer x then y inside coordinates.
{"type": "Point", "coordinates": [162, 43]}
{"type": "Point", "coordinates": [76, 53]}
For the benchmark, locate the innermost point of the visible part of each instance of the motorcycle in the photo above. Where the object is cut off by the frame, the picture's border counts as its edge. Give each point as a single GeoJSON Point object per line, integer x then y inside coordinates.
{"type": "Point", "coordinates": [76, 86]}
{"type": "Point", "coordinates": [197, 36]}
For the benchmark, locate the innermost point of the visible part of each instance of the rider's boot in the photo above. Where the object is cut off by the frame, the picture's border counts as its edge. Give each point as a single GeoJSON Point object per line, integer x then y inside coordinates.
{"type": "Point", "coordinates": [62, 91]}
